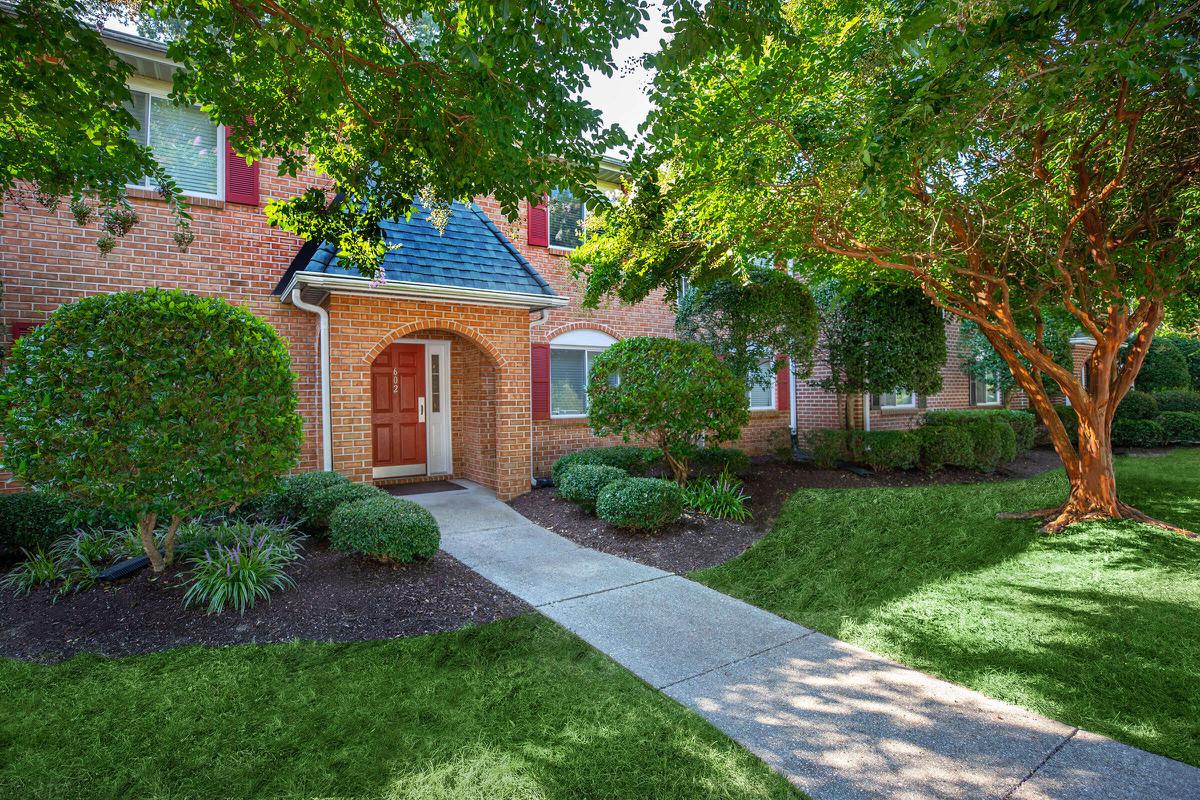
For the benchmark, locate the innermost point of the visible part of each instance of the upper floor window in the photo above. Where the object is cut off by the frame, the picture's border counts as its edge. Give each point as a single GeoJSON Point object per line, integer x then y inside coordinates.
{"type": "Point", "coordinates": [185, 141]}
{"type": "Point", "coordinates": [986, 390]}
{"type": "Point", "coordinates": [898, 398]}
{"type": "Point", "coordinates": [566, 215]}
{"type": "Point", "coordinates": [571, 357]}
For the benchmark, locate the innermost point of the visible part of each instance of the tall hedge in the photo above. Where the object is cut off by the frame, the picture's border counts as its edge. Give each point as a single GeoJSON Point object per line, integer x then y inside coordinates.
{"type": "Point", "coordinates": [157, 402]}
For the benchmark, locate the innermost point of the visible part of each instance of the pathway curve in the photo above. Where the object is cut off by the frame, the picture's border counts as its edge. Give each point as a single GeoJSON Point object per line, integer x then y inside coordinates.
{"type": "Point", "coordinates": [840, 722]}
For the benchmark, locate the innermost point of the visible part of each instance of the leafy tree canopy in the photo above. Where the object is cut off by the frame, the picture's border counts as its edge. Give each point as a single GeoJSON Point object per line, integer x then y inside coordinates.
{"type": "Point", "coordinates": [755, 325]}
{"type": "Point", "coordinates": [1007, 157]}
{"type": "Point", "coordinates": [387, 99]}
{"type": "Point", "coordinates": [880, 338]}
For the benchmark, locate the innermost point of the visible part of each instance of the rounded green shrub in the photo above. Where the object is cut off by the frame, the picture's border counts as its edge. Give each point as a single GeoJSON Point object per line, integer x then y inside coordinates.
{"type": "Point", "coordinates": [1177, 400]}
{"type": "Point", "coordinates": [582, 483]}
{"type": "Point", "coordinates": [32, 520]}
{"type": "Point", "coordinates": [386, 528]}
{"type": "Point", "coordinates": [1180, 427]}
{"type": "Point", "coordinates": [1138, 405]}
{"type": "Point", "coordinates": [826, 446]}
{"type": "Point", "coordinates": [640, 503]}
{"type": "Point", "coordinates": [1023, 423]}
{"type": "Point", "coordinates": [1164, 368]}
{"type": "Point", "coordinates": [634, 460]}
{"type": "Point", "coordinates": [945, 446]}
{"type": "Point", "coordinates": [673, 392]}
{"type": "Point", "coordinates": [993, 437]}
{"type": "Point", "coordinates": [156, 402]}
{"type": "Point", "coordinates": [720, 460]}
{"type": "Point", "coordinates": [885, 450]}
{"type": "Point", "coordinates": [1137, 433]}
{"type": "Point", "coordinates": [289, 499]}
{"type": "Point", "coordinates": [320, 505]}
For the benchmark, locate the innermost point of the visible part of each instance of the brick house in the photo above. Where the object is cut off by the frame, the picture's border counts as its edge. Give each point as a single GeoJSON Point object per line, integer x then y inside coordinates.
{"type": "Point", "coordinates": [469, 360]}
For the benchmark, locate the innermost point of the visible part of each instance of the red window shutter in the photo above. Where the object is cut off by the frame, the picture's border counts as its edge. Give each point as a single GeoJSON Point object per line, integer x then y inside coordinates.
{"type": "Point", "coordinates": [241, 179]}
{"type": "Point", "coordinates": [783, 388]}
{"type": "Point", "coordinates": [539, 224]}
{"type": "Point", "coordinates": [19, 329]}
{"type": "Point", "coordinates": [539, 366]}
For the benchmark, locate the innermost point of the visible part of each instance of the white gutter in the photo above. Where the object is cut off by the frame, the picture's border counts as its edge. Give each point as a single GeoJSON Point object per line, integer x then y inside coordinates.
{"type": "Point", "coordinates": [326, 414]}
{"type": "Point", "coordinates": [422, 291]}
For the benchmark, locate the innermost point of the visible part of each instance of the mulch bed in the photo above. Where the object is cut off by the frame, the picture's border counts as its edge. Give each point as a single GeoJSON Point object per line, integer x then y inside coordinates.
{"type": "Point", "coordinates": [337, 597]}
{"type": "Point", "coordinates": [696, 541]}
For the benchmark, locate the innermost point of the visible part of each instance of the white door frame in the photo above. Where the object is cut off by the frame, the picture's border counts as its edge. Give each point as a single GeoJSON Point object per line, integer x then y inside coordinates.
{"type": "Point", "coordinates": [439, 449]}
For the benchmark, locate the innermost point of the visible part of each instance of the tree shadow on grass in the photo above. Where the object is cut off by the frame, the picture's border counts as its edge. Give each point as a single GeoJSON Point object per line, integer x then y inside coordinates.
{"type": "Point", "coordinates": [1111, 662]}
{"type": "Point", "coordinates": [516, 709]}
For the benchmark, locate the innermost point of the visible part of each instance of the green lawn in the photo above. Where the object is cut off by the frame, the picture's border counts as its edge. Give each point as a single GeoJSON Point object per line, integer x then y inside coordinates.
{"type": "Point", "coordinates": [1098, 627]}
{"type": "Point", "coordinates": [516, 709]}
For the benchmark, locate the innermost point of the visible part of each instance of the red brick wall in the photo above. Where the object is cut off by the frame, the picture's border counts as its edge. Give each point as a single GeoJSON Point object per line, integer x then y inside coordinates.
{"type": "Point", "coordinates": [46, 260]}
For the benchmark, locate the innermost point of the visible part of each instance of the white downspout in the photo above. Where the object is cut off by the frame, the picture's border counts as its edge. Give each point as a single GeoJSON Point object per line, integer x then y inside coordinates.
{"type": "Point", "coordinates": [792, 398]}
{"type": "Point", "coordinates": [866, 412]}
{"type": "Point", "coordinates": [541, 320]}
{"type": "Point", "coordinates": [326, 414]}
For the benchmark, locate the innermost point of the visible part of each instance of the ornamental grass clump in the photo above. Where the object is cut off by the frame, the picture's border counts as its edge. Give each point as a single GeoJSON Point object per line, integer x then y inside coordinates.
{"type": "Point", "coordinates": [721, 497]}
{"type": "Point", "coordinates": [241, 574]}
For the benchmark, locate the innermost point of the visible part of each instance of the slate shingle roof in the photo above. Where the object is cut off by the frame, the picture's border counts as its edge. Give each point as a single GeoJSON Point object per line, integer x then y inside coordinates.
{"type": "Point", "coordinates": [472, 253]}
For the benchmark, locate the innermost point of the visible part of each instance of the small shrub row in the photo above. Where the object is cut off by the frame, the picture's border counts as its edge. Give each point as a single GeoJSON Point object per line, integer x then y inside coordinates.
{"type": "Point", "coordinates": [385, 528]}
{"type": "Point", "coordinates": [711, 461]}
{"type": "Point", "coordinates": [884, 450]}
{"type": "Point", "coordinates": [1023, 423]}
{"type": "Point", "coordinates": [993, 434]}
{"type": "Point", "coordinates": [981, 442]}
{"type": "Point", "coordinates": [640, 503]}
{"type": "Point", "coordinates": [1177, 400]}
{"type": "Point", "coordinates": [634, 460]}
{"type": "Point", "coordinates": [582, 483]}
{"type": "Point", "coordinates": [1137, 406]}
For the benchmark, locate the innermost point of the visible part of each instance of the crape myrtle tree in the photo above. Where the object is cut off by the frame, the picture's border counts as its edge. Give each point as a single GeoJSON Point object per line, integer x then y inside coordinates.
{"type": "Point", "coordinates": [981, 361]}
{"type": "Point", "coordinates": [387, 100]}
{"type": "Point", "coordinates": [879, 338]}
{"type": "Point", "coordinates": [1005, 157]}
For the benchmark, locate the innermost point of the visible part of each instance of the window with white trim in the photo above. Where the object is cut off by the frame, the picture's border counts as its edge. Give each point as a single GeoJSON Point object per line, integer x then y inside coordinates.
{"type": "Point", "coordinates": [761, 395]}
{"type": "Point", "coordinates": [571, 356]}
{"type": "Point", "coordinates": [185, 142]}
{"type": "Point", "coordinates": [987, 390]}
{"type": "Point", "coordinates": [898, 398]}
{"type": "Point", "coordinates": [566, 215]}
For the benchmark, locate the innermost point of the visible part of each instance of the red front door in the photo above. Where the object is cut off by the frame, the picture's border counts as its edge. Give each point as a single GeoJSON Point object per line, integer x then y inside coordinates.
{"type": "Point", "coordinates": [398, 406]}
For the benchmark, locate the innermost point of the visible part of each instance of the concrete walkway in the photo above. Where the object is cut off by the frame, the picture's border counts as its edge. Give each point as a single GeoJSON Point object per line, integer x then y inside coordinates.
{"type": "Point", "coordinates": [838, 721]}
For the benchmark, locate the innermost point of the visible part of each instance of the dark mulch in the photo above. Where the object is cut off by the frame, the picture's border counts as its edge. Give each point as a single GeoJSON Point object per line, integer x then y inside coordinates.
{"type": "Point", "coordinates": [337, 598]}
{"type": "Point", "coordinates": [692, 543]}
{"type": "Point", "coordinates": [697, 541]}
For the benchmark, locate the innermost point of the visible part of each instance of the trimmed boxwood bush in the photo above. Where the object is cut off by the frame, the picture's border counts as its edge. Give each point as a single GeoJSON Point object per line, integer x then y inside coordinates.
{"type": "Point", "coordinates": [384, 527]}
{"type": "Point", "coordinates": [582, 483]}
{"type": "Point", "coordinates": [945, 446]}
{"type": "Point", "coordinates": [1177, 400]}
{"type": "Point", "coordinates": [1137, 433]}
{"type": "Point", "coordinates": [32, 520]}
{"type": "Point", "coordinates": [641, 503]}
{"type": "Point", "coordinates": [716, 460]}
{"type": "Point", "coordinates": [320, 505]}
{"type": "Point", "coordinates": [826, 446]}
{"type": "Point", "coordinates": [288, 501]}
{"type": "Point", "coordinates": [1023, 423]}
{"type": "Point", "coordinates": [883, 450]}
{"type": "Point", "coordinates": [1138, 405]}
{"type": "Point", "coordinates": [634, 460]}
{"type": "Point", "coordinates": [993, 437]}
{"type": "Point", "coordinates": [1180, 427]}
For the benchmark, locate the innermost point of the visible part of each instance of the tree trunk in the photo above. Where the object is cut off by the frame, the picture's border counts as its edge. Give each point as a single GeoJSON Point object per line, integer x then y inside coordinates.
{"type": "Point", "coordinates": [679, 467]}
{"type": "Point", "coordinates": [146, 530]}
{"type": "Point", "coordinates": [1093, 493]}
{"type": "Point", "coordinates": [169, 540]}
